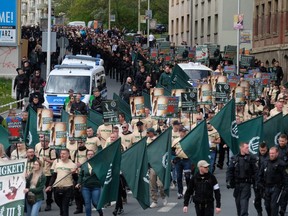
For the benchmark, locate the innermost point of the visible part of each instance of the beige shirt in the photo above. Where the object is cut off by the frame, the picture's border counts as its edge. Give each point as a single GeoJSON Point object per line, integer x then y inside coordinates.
{"type": "Point", "coordinates": [21, 154]}
{"type": "Point", "coordinates": [149, 140]}
{"type": "Point", "coordinates": [37, 149]}
{"type": "Point", "coordinates": [213, 135]}
{"type": "Point", "coordinates": [49, 154]}
{"type": "Point", "coordinates": [63, 169]}
{"type": "Point", "coordinates": [104, 132]}
{"type": "Point", "coordinates": [178, 150]}
{"type": "Point", "coordinates": [175, 135]}
{"type": "Point", "coordinates": [149, 122]}
{"type": "Point", "coordinates": [126, 141]}
{"type": "Point", "coordinates": [274, 112]}
{"type": "Point", "coordinates": [138, 136]}
{"type": "Point", "coordinates": [79, 156]}
{"type": "Point", "coordinates": [93, 143]}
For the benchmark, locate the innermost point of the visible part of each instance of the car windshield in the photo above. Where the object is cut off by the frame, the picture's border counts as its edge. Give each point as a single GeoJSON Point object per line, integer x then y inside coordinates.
{"type": "Point", "coordinates": [58, 84]}
{"type": "Point", "coordinates": [197, 74]}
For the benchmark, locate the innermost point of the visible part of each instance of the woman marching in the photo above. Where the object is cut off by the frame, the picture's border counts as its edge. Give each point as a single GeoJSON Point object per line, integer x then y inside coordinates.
{"type": "Point", "coordinates": [34, 190]}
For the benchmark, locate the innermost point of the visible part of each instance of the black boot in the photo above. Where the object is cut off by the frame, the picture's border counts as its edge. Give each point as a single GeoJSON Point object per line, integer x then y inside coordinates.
{"type": "Point", "coordinates": [115, 212]}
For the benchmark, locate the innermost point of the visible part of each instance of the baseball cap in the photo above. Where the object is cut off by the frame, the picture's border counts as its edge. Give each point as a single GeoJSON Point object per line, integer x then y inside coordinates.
{"type": "Point", "coordinates": [151, 130]}
{"type": "Point", "coordinates": [183, 129]}
{"type": "Point", "coordinates": [176, 122]}
{"type": "Point", "coordinates": [71, 91]}
{"type": "Point", "coordinates": [202, 163]}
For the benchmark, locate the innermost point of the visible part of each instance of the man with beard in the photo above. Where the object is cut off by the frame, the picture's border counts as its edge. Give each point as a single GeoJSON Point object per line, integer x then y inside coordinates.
{"type": "Point", "coordinates": [126, 90]}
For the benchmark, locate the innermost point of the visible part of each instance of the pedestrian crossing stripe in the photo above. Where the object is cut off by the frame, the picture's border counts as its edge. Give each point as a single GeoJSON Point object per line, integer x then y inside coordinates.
{"type": "Point", "coordinates": [168, 207]}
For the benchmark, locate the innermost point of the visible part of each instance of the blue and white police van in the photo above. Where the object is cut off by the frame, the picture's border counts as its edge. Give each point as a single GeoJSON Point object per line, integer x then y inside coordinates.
{"type": "Point", "coordinates": [82, 78]}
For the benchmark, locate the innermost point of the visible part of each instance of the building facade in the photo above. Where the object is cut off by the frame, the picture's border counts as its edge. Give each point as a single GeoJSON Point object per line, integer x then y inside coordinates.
{"type": "Point", "coordinates": [270, 33]}
{"type": "Point", "coordinates": [32, 11]}
{"type": "Point", "coordinates": [209, 21]}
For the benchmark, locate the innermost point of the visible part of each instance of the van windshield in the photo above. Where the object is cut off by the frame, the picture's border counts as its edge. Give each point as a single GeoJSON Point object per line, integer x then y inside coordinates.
{"type": "Point", "coordinates": [58, 84]}
{"type": "Point", "coordinates": [197, 74]}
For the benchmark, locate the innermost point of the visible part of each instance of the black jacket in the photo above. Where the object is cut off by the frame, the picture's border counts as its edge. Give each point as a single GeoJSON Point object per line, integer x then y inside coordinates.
{"type": "Point", "coordinates": [79, 107]}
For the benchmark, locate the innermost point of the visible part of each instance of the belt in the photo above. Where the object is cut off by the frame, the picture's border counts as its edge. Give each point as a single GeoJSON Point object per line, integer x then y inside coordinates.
{"type": "Point", "coordinates": [213, 149]}
{"type": "Point", "coordinates": [182, 158]}
{"type": "Point", "coordinates": [243, 181]}
{"type": "Point", "coordinates": [64, 187]}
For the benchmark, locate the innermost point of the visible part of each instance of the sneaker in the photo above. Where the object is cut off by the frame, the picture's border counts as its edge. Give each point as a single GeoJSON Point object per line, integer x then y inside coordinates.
{"type": "Point", "coordinates": [180, 196]}
{"type": "Point", "coordinates": [48, 208]}
{"type": "Point", "coordinates": [165, 201]}
{"type": "Point", "coordinates": [121, 211]}
{"type": "Point", "coordinates": [172, 186]}
{"type": "Point", "coordinates": [153, 205]}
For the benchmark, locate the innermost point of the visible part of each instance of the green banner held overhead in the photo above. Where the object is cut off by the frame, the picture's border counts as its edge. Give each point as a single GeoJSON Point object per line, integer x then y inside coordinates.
{"type": "Point", "coordinates": [136, 173]}
{"type": "Point", "coordinates": [4, 138]}
{"type": "Point", "coordinates": [159, 157]}
{"type": "Point", "coordinates": [285, 124]}
{"type": "Point", "coordinates": [225, 123]}
{"type": "Point", "coordinates": [123, 107]}
{"type": "Point", "coordinates": [95, 117]}
{"type": "Point", "coordinates": [196, 143]}
{"type": "Point", "coordinates": [251, 132]}
{"type": "Point", "coordinates": [272, 128]}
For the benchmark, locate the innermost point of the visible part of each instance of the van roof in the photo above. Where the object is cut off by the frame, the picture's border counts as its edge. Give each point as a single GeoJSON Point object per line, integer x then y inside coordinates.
{"type": "Point", "coordinates": [76, 70]}
{"type": "Point", "coordinates": [83, 59]}
{"type": "Point", "coordinates": [194, 65]}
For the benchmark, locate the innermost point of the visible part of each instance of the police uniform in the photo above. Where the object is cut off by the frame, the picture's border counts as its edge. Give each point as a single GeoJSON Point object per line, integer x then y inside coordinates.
{"type": "Point", "coordinates": [273, 177]}
{"type": "Point", "coordinates": [241, 175]}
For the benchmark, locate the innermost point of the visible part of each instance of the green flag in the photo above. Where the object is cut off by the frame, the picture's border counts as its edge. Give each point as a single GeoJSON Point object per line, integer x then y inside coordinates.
{"type": "Point", "coordinates": [225, 123]}
{"type": "Point", "coordinates": [106, 165]}
{"type": "Point", "coordinates": [285, 124]}
{"type": "Point", "coordinates": [134, 166]}
{"type": "Point", "coordinates": [272, 128]}
{"type": "Point", "coordinates": [196, 143]}
{"type": "Point", "coordinates": [4, 137]}
{"type": "Point", "coordinates": [251, 131]}
{"type": "Point", "coordinates": [30, 134]}
{"type": "Point", "coordinates": [179, 78]}
{"type": "Point", "coordinates": [92, 124]}
{"type": "Point", "coordinates": [95, 117]}
{"type": "Point", "coordinates": [64, 116]}
{"type": "Point", "coordinates": [123, 107]}
{"type": "Point", "coordinates": [159, 157]}
{"type": "Point", "coordinates": [147, 101]}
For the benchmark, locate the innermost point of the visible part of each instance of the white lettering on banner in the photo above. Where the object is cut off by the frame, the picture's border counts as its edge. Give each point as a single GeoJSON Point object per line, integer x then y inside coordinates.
{"type": "Point", "coordinates": [109, 175]}
{"type": "Point", "coordinates": [6, 17]}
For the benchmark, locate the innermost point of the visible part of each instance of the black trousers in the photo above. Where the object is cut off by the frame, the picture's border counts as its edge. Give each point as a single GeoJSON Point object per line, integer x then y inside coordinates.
{"type": "Point", "coordinates": [271, 195]}
{"type": "Point", "coordinates": [49, 199]}
{"type": "Point", "coordinates": [204, 209]}
{"type": "Point", "coordinates": [20, 93]}
{"type": "Point", "coordinates": [259, 195]}
{"type": "Point", "coordinates": [62, 198]}
{"type": "Point", "coordinates": [242, 194]}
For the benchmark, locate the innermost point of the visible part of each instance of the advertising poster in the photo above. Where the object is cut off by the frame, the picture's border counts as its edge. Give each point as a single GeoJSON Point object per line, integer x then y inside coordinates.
{"type": "Point", "coordinates": [154, 93]}
{"type": "Point", "coordinates": [189, 101]}
{"type": "Point", "coordinates": [239, 95]}
{"type": "Point", "coordinates": [159, 107]}
{"type": "Point", "coordinates": [137, 107]}
{"type": "Point", "coordinates": [110, 111]}
{"type": "Point", "coordinates": [77, 127]}
{"type": "Point", "coordinates": [201, 53]}
{"type": "Point", "coordinates": [58, 135]}
{"type": "Point", "coordinates": [246, 85]}
{"type": "Point", "coordinates": [14, 125]}
{"type": "Point", "coordinates": [44, 121]}
{"type": "Point", "coordinates": [238, 21]}
{"type": "Point", "coordinates": [172, 107]}
{"type": "Point", "coordinates": [177, 93]}
{"type": "Point", "coordinates": [8, 23]}
{"type": "Point", "coordinates": [204, 94]}
{"type": "Point", "coordinates": [12, 185]}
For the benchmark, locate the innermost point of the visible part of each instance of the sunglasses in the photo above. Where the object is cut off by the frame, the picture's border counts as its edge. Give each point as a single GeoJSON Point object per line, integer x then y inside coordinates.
{"type": "Point", "coordinates": [124, 127]}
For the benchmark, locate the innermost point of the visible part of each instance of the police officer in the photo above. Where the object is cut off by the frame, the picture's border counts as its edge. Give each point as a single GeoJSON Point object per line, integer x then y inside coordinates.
{"type": "Point", "coordinates": [259, 192]}
{"type": "Point", "coordinates": [283, 154]}
{"type": "Point", "coordinates": [201, 188]}
{"type": "Point", "coordinates": [273, 177]}
{"type": "Point", "coordinates": [240, 175]}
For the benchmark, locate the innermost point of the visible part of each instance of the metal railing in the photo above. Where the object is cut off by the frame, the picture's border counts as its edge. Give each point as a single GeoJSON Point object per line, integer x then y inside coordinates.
{"type": "Point", "coordinates": [10, 105]}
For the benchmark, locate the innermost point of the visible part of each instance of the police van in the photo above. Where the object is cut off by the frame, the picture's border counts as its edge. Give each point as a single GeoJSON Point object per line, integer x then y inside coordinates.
{"type": "Point", "coordinates": [83, 59]}
{"type": "Point", "coordinates": [196, 71]}
{"type": "Point", "coordinates": [81, 78]}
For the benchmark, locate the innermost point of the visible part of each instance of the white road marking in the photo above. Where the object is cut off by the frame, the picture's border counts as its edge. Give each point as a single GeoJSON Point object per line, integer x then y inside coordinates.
{"type": "Point", "coordinates": [167, 208]}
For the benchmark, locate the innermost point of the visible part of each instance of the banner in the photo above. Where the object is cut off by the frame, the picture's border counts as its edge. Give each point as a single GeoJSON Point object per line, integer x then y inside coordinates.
{"type": "Point", "coordinates": [177, 93]}
{"type": "Point", "coordinates": [222, 93]}
{"type": "Point", "coordinates": [58, 135]}
{"type": "Point", "coordinates": [12, 185]}
{"type": "Point", "coordinates": [272, 128]}
{"type": "Point", "coordinates": [154, 93]}
{"type": "Point", "coordinates": [201, 53]}
{"type": "Point", "coordinates": [4, 138]}
{"type": "Point", "coordinates": [159, 107]}
{"type": "Point", "coordinates": [204, 94]}
{"type": "Point", "coordinates": [137, 107]}
{"type": "Point", "coordinates": [189, 101]}
{"type": "Point", "coordinates": [44, 121]}
{"type": "Point", "coordinates": [172, 107]}
{"type": "Point", "coordinates": [110, 111]}
{"type": "Point", "coordinates": [77, 127]}
{"type": "Point", "coordinates": [14, 125]}
{"type": "Point", "coordinates": [30, 135]}
{"type": "Point", "coordinates": [239, 95]}
{"type": "Point", "coordinates": [238, 21]}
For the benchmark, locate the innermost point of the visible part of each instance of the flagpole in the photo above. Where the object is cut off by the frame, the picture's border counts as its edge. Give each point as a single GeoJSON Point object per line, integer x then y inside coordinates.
{"type": "Point", "coordinates": [238, 40]}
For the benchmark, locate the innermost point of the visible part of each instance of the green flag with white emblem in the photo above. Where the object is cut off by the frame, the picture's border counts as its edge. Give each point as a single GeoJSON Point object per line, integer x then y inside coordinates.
{"type": "Point", "coordinates": [272, 128]}
{"type": "Point", "coordinates": [30, 134]}
{"type": "Point", "coordinates": [196, 143]}
{"type": "Point", "coordinates": [225, 123]}
{"type": "Point", "coordinates": [106, 165]}
{"type": "Point", "coordinates": [251, 132]}
{"type": "Point", "coordinates": [159, 157]}
{"type": "Point", "coordinates": [134, 166]}
{"type": "Point", "coordinates": [285, 124]}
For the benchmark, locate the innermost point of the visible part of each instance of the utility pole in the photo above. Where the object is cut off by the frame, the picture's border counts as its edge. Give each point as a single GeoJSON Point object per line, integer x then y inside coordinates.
{"type": "Point", "coordinates": [139, 17]}
{"type": "Point", "coordinates": [109, 11]}
{"type": "Point", "coordinates": [238, 41]}
{"type": "Point", "coordinates": [148, 23]}
{"type": "Point", "coordinates": [48, 41]}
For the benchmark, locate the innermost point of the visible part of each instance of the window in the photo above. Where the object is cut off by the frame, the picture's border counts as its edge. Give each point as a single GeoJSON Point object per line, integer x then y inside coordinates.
{"type": "Point", "coordinates": [202, 27]}
{"type": "Point", "coordinates": [262, 18]}
{"type": "Point", "coordinates": [182, 23]}
{"type": "Point", "coordinates": [196, 29]}
{"type": "Point", "coordinates": [209, 25]}
{"type": "Point", "coordinates": [268, 26]}
{"type": "Point", "coordinates": [172, 27]}
{"type": "Point", "coordinates": [216, 24]}
{"type": "Point", "coordinates": [177, 26]}
{"type": "Point", "coordinates": [257, 21]}
{"type": "Point", "coordinates": [188, 23]}
{"type": "Point", "coordinates": [276, 22]}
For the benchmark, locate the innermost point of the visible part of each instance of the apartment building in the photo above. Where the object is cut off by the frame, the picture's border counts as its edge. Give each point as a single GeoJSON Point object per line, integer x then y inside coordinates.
{"type": "Point", "coordinates": [209, 21]}
{"type": "Point", "coordinates": [32, 11]}
{"type": "Point", "coordinates": [270, 33]}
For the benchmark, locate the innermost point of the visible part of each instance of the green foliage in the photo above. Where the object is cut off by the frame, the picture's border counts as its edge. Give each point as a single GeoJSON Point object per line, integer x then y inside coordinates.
{"type": "Point", "coordinates": [125, 11]}
{"type": "Point", "coordinates": [5, 93]}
